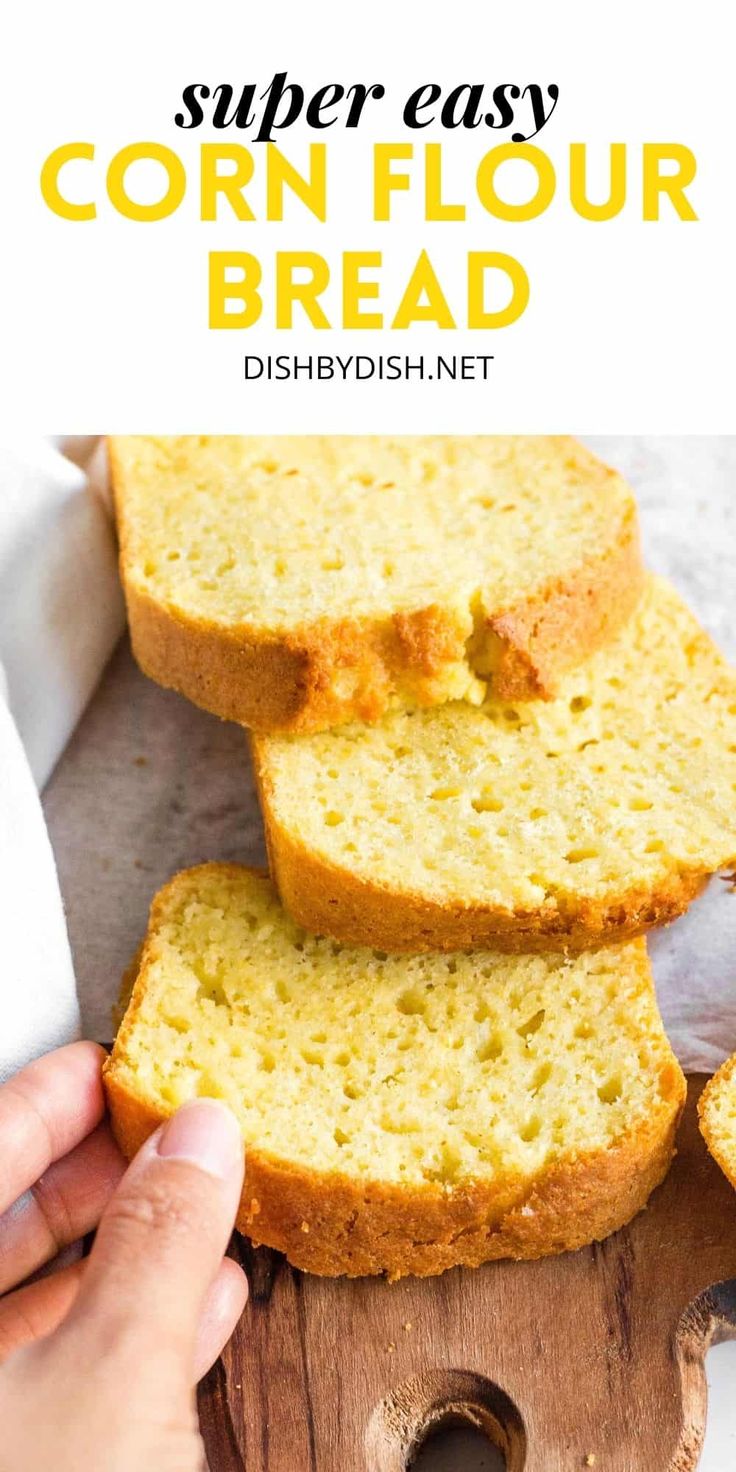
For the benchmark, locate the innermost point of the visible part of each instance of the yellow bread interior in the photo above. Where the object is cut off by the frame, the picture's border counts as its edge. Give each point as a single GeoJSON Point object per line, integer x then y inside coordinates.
{"type": "Point", "coordinates": [278, 534]}
{"type": "Point", "coordinates": [624, 781]}
{"type": "Point", "coordinates": [412, 1071]}
{"type": "Point", "coordinates": [717, 1109]}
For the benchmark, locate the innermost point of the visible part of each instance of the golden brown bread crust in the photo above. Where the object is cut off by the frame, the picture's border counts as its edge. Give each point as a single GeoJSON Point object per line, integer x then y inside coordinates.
{"type": "Point", "coordinates": [332, 1225]}
{"type": "Point", "coordinates": [331, 672]}
{"type": "Point", "coordinates": [543, 637]}
{"type": "Point", "coordinates": [328, 900]}
{"type": "Point", "coordinates": [720, 1079]}
{"type": "Point", "coordinates": [127, 984]}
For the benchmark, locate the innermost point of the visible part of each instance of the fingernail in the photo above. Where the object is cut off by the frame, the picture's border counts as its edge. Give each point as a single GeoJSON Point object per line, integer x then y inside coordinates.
{"type": "Point", "coordinates": [206, 1134]}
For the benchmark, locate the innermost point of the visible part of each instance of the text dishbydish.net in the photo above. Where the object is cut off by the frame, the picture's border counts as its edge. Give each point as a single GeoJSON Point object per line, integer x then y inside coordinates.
{"type": "Point", "coordinates": [361, 367]}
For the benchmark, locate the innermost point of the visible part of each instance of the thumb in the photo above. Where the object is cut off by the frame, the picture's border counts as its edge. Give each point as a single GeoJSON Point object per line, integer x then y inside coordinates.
{"type": "Point", "coordinates": [161, 1240]}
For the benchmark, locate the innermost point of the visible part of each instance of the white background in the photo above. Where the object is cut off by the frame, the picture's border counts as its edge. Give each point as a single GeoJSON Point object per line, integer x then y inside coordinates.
{"type": "Point", "coordinates": [629, 324]}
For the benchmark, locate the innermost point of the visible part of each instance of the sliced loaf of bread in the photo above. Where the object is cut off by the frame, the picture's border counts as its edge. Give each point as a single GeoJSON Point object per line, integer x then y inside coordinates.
{"type": "Point", "coordinates": [293, 584]}
{"type": "Point", "coordinates": [717, 1111]}
{"type": "Point", "coordinates": [401, 1114]}
{"type": "Point", "coordinates": [567, 823]}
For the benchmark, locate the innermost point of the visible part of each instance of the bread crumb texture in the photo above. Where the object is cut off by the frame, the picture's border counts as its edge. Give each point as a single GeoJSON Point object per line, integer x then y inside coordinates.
{"type": "Point", "coordinates": [297, 582]}
{"type": "Point", "coordinates": [717, 1110]}
{"type": "Point", "coordinates": [400, 1114]}
{"type": "Point", "coordinates": [563, 822]}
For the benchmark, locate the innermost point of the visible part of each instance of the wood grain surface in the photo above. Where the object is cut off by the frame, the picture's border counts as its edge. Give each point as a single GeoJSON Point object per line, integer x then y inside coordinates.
{"type": "Point", "coordinates": [593, 1359]}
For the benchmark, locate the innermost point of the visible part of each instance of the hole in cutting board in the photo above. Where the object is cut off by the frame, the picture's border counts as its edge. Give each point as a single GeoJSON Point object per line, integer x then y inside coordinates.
{"type": "Point", "coordinates": [458, 1448]}
{"type": "Point", "coordinates": [422, 1424]}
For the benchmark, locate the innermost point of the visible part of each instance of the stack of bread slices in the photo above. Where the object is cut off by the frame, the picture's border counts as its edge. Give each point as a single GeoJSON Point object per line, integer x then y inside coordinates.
{"type": "Point", "coordinates": [491, 752]}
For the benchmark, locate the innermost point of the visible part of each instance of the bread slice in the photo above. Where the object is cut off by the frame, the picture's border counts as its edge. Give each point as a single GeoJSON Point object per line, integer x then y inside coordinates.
{"type": "Point", "coordinates": [565, 824]}
{"type": "Point", "coordinates": [293, 584]}
{"type": "Point", "coordinates": [717, 1111]}
{"type": "Point", "coordinates": [401, 1115]}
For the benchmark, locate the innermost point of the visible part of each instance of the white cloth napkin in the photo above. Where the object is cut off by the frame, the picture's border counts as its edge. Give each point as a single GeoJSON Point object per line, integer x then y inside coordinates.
{"type": "Point", "coordinates": [61, 613]}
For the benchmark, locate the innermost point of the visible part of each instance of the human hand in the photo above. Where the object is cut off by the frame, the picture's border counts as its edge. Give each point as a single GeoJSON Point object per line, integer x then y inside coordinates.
{"type": "Point", "coordinates": [98, 1361]}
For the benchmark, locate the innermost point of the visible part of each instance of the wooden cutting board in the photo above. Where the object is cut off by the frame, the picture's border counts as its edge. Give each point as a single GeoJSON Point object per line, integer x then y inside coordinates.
{"type": "Point", "coordinates": [593, 1359]}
